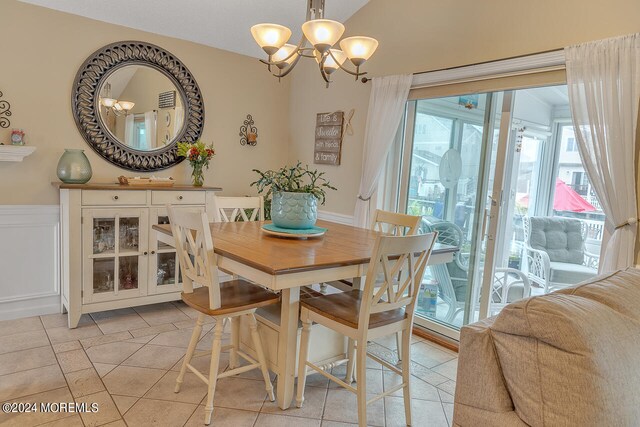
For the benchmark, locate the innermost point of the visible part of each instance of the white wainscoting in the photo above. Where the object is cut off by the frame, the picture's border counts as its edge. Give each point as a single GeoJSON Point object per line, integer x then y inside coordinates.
{"type": "Point", "coordinates": [29, 260]}
{"type": "Point", "coordinates": [335, 217]}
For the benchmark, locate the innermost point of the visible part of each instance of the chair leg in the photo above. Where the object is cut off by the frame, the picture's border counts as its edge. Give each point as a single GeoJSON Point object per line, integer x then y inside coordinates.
{"type": "Point", "coordinates": [253, 326]}
{"type": "Point", "coordinates": [235, 342]}
{"type": "Point", "coordinates": [213, 369]}
{"type": "Point", "coordinates": [399, 345]}
{"type": "Point", "coordinates": [304, 354]}
{"type": "Point", "coordinates": [351, 355]}
{"type": "Point", "coordinates": [361, 369]}
{"type": "Point", "coordinates": [406, 375]}
{"type": "Point", "coordinates": [195, 337]}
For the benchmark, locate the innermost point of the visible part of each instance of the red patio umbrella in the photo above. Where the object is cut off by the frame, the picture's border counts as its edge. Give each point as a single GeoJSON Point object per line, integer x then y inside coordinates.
{"type": "Point", "coordinates": [566, 199]}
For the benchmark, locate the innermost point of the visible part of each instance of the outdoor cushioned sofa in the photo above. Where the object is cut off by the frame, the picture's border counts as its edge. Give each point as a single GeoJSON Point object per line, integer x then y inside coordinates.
{"type": "Point", "coordinates": [569, 358]}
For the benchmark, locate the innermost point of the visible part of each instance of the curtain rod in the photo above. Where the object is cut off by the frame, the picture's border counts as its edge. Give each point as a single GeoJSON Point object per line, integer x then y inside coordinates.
{"type": "Point", "coordinates": [365, 79]}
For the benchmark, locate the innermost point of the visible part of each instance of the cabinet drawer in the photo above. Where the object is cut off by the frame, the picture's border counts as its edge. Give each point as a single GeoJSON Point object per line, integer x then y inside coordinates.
{"type": "Point", "coordinates": [178, 197]}
{"type": "Point", "coordinates": [114, 197]}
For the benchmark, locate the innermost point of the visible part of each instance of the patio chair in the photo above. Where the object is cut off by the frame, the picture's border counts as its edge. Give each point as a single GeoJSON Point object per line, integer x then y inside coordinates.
{"type": "Point", "coordinates": [509, 284]}
{"type": "Point", "coordinates": [555, 252]}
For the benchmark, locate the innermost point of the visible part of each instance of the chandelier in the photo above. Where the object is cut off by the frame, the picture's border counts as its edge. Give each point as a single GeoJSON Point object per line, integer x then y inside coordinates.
{"type": "Point", "coordinates": [111, 104]}
{"type": "Point", "coordinates": [323, 35]}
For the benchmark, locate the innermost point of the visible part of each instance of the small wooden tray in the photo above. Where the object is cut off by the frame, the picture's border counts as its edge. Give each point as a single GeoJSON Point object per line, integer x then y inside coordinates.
{"type": "Point", "coordinates": [147, 182]}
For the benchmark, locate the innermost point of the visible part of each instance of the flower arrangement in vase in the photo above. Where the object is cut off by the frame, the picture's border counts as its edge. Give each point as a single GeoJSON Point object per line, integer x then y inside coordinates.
{"type": "Point", "coordinates": [199, 156]}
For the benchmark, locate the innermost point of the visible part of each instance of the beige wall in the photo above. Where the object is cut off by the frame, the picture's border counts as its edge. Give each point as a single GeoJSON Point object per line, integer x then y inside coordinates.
{"type": "Point", "coordinates": [47, 47]}
{"type": "Point", "coordinates": [41, 53]}
{"type": "Point", "coordinates": [343, 94]}
{"type": "Point", "coordinates": [416, 36]}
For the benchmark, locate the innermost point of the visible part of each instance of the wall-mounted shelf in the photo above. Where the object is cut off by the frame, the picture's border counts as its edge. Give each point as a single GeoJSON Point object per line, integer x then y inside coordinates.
{"type": "Point", "coordinates": [15, 153]}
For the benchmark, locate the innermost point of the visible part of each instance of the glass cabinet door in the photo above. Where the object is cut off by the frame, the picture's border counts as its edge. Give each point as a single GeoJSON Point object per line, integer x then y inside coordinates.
{"type": "Point", "coordinates": [164, 266]}
{"type": "Point", "coordinates": [116, 264]}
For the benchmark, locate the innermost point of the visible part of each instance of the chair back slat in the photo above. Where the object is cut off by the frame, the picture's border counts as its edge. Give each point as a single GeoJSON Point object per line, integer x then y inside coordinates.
{"type": "Point", "coordinates": [194, 246]}
{"type": "Point", "coordinates": [232, 209]}
{"type": "Point", "coordinates": [400, 261]}
{"type": "Point", "coordinates": [395, 224]}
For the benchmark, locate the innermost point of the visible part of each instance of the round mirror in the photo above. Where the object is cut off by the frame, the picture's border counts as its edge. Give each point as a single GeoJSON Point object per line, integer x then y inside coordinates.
{"type": "Point", "coordinates": [141, 107]}
{"type": "Point", "coordinates": [133, 101]}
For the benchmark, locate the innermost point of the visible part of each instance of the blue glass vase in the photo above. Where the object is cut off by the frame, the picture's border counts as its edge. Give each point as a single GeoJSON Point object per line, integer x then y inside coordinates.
{"type": "Point", "coordinates": [74, 167]}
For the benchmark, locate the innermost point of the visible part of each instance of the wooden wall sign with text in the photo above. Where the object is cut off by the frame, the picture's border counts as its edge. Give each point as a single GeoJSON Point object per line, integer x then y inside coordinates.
{"type": "Point", "coordinates": [328, 142]}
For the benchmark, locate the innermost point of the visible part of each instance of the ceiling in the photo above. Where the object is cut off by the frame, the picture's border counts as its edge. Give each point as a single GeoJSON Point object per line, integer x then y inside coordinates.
{"type": "Point", "coordinates": [219, 23]}
{"type": "Point", "coordinates": [554, 96]}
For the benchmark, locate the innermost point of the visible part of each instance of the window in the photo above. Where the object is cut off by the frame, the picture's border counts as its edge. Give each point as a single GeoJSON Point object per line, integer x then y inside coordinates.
{"type": "Point", "coordinates": [572, 147]}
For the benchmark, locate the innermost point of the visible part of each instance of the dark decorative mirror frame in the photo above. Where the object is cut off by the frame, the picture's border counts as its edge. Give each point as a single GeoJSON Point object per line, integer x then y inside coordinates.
{"type": "Point", "coordinates": [85, 103]}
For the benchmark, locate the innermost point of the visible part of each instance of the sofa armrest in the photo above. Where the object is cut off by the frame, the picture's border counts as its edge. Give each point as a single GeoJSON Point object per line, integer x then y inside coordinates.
{"type": "Point", "coordinates": [481, 396]}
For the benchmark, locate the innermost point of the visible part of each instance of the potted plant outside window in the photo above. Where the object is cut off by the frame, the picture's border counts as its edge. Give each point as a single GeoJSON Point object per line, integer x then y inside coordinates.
{"type": "Point", "coordinates": [294, 193]}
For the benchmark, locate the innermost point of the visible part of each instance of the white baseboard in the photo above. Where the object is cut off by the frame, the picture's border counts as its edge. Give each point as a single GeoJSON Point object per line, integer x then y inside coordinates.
{"type": "Point", "coordinates": [335, 217]}
{"type": "Point", "coordinates": [29, 260]}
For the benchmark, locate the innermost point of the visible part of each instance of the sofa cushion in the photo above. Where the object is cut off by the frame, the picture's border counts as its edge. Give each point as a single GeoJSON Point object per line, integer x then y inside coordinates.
{"type": "Point", "coordinates": [572, 357]}
{"type": "Point", "coordinates": [564, 272]}
{"type": "Point", "coordinates": [560, 238]}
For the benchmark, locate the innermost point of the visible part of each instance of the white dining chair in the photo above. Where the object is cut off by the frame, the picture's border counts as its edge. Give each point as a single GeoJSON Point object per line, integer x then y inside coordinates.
{"type": "Point", "coordinates": [231, 209]}
{"type": "Point", "coordinates": [392, 224]}
{"type": "Point", "coordinates": [395, 224]}
{"type": "Point", "coordinates": [228, 300]}
{"type": "Point", "coordinates": [234, 209]}
{"type": "Point", "coordinates": [377, 311]}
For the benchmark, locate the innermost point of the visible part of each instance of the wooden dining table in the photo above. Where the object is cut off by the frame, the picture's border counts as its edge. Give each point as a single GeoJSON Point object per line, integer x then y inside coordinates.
{"type": "Point", "coordinates": [284, 264]}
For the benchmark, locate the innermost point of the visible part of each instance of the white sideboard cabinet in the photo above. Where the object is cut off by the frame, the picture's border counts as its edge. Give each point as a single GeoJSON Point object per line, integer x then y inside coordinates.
{"type": "Point", "coordinates": [110, 256]}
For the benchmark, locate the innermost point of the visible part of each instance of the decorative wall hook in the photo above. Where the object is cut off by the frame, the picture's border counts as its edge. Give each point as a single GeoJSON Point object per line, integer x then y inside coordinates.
{"type": "Point", "coordinates": [248, 132]}
{"type": "Point", "coordinates": [5, 111]}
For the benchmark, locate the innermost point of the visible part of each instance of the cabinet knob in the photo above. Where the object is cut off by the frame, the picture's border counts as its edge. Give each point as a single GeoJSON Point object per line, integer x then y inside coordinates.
{"type": "Point", "coordinates": [153, 252]}
{"type": "Point", "coordinates": [145, 253]}
{"type": "Point", "coordinates": [115, 197]}
{"type": "Point", "coordinates": [179, 197]}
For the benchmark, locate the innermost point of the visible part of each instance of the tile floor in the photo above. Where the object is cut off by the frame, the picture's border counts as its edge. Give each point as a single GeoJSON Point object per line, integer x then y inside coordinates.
{"type": "Point", "coordinates": [127, 360]}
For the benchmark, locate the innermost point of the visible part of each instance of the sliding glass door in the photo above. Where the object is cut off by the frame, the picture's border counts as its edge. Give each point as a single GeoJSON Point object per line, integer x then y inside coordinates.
{"type": "Point", "coordinates": [448, 167]}
{"type": "Point", "coordinates": [481, 169]}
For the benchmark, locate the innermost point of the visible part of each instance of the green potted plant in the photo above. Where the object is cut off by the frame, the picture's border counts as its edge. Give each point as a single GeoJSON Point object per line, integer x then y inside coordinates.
{"type": "Point", "coordinates": [293, 193]}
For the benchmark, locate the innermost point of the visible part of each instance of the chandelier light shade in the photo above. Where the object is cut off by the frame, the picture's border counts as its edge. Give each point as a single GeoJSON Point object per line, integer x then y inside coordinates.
{"type": "Point", "coordinates": [108, 102]}
{"type": "Point", "coordinates": [333, 61]}
{"type": "Point", "coordinates": [270, 37]}
{"type": "Point", "coordinates": [285, 55]}
{"type": "Point", "coordinates": [323, 35]}
{"type": "Point", "coordinates": [112, 104]}
{"type": "Point", "coordinates": [358, 49]}
{"type": "Point", "coordinates": [126, 105]}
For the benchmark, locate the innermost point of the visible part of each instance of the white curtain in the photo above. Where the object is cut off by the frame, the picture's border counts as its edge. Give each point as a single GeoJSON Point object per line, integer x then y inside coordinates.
{"type": "Point", "coordinates": [150, 130]}
{"type": "Point", "coordinates": [129, 131]}
{"type": "Point", "coordinates": [603, 78]}
{"type": "Point", "coordinates": [386, 107]}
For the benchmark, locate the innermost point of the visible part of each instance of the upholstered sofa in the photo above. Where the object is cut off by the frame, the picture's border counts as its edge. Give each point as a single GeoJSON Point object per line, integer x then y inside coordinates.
{"type": "Point", "coordinates": [569, 358]}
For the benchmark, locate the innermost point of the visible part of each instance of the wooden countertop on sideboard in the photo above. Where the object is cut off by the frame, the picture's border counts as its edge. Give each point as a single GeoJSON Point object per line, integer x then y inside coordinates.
{"type": "Point", "coordinates": [116, 186]}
